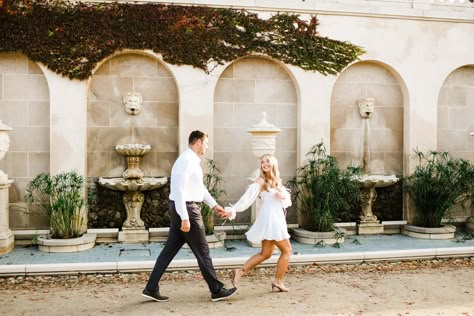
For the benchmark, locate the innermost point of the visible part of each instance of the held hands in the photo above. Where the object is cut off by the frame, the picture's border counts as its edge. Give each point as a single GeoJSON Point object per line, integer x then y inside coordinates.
{"type": "Point", "coordinates": [219, 210]}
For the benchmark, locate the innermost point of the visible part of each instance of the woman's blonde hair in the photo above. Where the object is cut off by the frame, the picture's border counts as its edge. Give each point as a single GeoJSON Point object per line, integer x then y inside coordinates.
{"type": "Point", "coordinates": [272, 179]}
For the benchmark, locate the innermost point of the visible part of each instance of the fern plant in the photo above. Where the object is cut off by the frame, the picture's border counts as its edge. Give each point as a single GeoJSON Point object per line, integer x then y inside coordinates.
{"type": "Point", "coordinates": [213, 181]}
{"type": "Point", "coordinates": [321, 188]}
{"type": "Point", "coordinates": [438, 183]}
{"type": "Point", "coordinates": [60, 197]}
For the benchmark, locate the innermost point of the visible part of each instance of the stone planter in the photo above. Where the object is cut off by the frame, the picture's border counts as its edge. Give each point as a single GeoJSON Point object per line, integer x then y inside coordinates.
{"type": "Point", "coordinates": [328, 238]}
{"type": "Point", "coordinates": [86, 241]}
{"type": "Point", "coordinates": [444, 232]}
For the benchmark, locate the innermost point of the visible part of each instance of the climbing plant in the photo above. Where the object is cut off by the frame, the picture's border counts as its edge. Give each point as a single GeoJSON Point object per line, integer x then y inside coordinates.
{"type": "Point", "coordinates": [71, 38]}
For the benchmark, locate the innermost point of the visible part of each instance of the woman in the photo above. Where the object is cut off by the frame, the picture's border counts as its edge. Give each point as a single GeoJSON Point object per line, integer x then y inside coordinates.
{"type": "Point", "coordinates": [270, 226]}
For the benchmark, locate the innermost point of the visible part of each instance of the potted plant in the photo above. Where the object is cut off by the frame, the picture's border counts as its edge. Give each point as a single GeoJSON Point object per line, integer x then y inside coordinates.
{"type": "Point", "coordinates": [438, 183]}
{"type": "Point", "coordinates": [213, 181]}
{"type": "Point", "coordinates": [320, 189]}
{"type": "Point", "coordinates": [61, 198]}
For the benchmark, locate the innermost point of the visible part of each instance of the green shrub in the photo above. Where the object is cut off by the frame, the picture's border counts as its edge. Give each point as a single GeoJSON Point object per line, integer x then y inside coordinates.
{"type": "Point", "coordinates": [321, 188]}
{"type": "Point", "coordinates": [438, 183]}
{"type": "Point", "coordinates": [60, 197]}
{"type": "Point", "coordinates": [213, 181]}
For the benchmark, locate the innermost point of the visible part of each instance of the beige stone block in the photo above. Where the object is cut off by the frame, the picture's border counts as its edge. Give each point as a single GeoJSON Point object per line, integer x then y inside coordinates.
{"type": "Point", "coordinates": [255, 68]}
{"type": "Point", "coordinates": [105, 139]}
{"type": "Point", "coordinates": [282, 73]}
{"type": "Point", "coordinates": [246, 162]}
{"type": "Point", "coordinates": [347, 94]}
{"type": "Point", "coordinates": [353, 74]}
{"type": "Point", "coordinates": [98, 164]}
{"type": "Point", "coordinates": [235, 187]}
{"type": "Point", "coordinates": [451, 140]}
{"type": "Point", "coordinates": [353, 158]}
{"type": "Point", "coordinates": [286, 140]}
{"type": "Point", "coordinates": [235, 90]}
{"type": "Point", "coordinates": [38, 113]}
{"type": "Point", "coordinates": [103, 70]}
{"type": "Point", "coordinates": [146, 118]}
{"type": "Point", "coordinates": [246, 115]}
{"type": "Point", "coordinates": [25, 87]}
{"type": "Point", "coordinates": [286, 163]}
{"type": "Point", "coordinates": [133, 65]}
{"type": "Point", "coordinates": [443, 118]}
{"type": "Point", "coordinates": [167, 114]}
{"type": "Point", "coordinates": [29, 139]}
{"type": "Point", "coordinates": [443, 97]}
{"type": "Point", "coordinates": [225, 162]}
{"type": "Point", "coordinates": [161, 139]}
{"type": "Point", "coordinates": [387, 117]}
{"type": "Point", "coordinates": [231, 139]}
{"type": "Point", "coordinates": [17, 190]}
{"type": "Point", "coordinates": [470, 96]}
{"type": "Point", "coordinates": [14, 113]}
{"type": "Point", "coordinates": [223, 114]}
{"type": "Point", "coordinates": [286, 116]}
{"type": "Point", "coordinates": [18, 215]}
{"type": "Point", "coordinates": [341, 157]}
{"type": "Point", "coordinates": [377, 163]}
{"type": "Point", "coordinates": [98, 113]}
{"type": "Point", "coordinates": [13, 63]}
{"type": "Point", "coordinates": [386, 140]}
{"type": "Point", "coordinates": [164, 163]}
{"type": "Point", "coordinates": [346, 139]}
{"type": "Point", "coordinates": [38, 219]}
{"type": "Point", "coordinates": [15, 164]}
{"type": "Point", "coordinates": [373, 73]}
{"type": "Point", "coordinates": [1, 87]}
{"type": "Point", "coordinates": [105, 88]}
{"type": "Point", "coordinates": [228, 72]}
{"type": "Point", "coordinates": [345, 117]}
{"type": "Point", "coordinates": [461, 118]}
{"type": "Point", "coordinates": [38, 163]}
{"type": "Point", "coordinates": [385, 95]}
{"type": "Point", "coordinates": [33, 68]}
{"type": "Point", "coordinates": [275, 91]}
{"type": "Point", "coordinates": [462, 76]}
{"type": "Point", "coordinates": [157, 89]}
{"type": "Point", "coordinates": [457, 96]}
{"type": "Point", "coordinates": [394, 163]}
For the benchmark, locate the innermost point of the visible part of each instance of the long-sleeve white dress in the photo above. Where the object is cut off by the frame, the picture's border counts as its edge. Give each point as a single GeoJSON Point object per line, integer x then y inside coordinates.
{"type": "Point", "coordinates": [270, 223]}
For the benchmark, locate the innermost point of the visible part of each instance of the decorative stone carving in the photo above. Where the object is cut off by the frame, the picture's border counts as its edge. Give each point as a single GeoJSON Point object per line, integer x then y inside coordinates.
{"type": "Point", "coordinates": [133, 201]}
{"type": "Point", "coordinates": [366, 107]}
{"type": "Point", "coordinates": [133, 102]}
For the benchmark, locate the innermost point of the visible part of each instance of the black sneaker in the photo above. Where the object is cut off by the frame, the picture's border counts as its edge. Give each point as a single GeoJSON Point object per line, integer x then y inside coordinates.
{"type": "Point", "coordinates": [155, 295]}
{"type": "Point", "coordinates": [223, 294]}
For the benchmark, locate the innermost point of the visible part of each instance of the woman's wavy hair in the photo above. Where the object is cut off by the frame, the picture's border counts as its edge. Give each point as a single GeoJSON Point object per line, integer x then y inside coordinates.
{"type": "Point", "coordinates": [271, 180]}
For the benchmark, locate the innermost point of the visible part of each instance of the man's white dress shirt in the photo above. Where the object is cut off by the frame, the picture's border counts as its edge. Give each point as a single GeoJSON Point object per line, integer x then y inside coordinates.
{"type": "Point", "coordinates": [187, 183]}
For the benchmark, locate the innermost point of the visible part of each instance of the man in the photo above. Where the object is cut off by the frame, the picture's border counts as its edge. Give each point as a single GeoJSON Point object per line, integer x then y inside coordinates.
{"type": "Point", "coordinates": [186, 195]}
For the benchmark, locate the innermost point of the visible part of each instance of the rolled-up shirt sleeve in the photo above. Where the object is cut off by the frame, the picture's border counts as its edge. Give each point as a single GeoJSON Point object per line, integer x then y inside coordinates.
{"type": "Point", "coordinates": [245, 201]}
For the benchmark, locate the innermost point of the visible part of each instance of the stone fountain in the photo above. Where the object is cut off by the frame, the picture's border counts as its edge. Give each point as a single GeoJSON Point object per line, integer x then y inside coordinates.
{"type": "Point", "coordinates": [369, 224]}
{"type": "Point", "coordinates": [133, 182]}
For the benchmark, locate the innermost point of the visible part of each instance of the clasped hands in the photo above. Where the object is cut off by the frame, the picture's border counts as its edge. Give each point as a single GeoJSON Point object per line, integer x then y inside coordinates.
{"type": "Point", "coordinates": [219, 210]}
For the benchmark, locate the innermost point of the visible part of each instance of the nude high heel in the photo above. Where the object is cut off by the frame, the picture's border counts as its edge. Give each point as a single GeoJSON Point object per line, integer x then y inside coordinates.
{"type": "Point", "coordinates": [235, 277]}
{"type": "Point", "coordinates": [280, 287]}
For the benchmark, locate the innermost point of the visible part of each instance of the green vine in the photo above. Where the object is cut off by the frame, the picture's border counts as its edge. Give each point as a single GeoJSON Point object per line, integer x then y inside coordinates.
{"type": "Point", "coordinates": [71, 38]}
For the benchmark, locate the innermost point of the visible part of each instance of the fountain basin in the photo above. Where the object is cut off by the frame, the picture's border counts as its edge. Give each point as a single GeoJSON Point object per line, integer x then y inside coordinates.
{"type": "Point", "coordinates": [376, 181]}
{"type": "Point", "coordinates": [122, 184]}
{"type": "Point", "coordinates": [133, 149]}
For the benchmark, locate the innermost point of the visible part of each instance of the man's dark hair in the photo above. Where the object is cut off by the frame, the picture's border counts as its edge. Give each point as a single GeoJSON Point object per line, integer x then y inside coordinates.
{"type": "Point", "coordinates": [195, 136]}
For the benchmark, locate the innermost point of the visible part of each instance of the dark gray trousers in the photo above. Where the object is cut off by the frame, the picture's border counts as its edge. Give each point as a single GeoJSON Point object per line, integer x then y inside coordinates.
{"type": "Point", "coordinates": [195, 238]}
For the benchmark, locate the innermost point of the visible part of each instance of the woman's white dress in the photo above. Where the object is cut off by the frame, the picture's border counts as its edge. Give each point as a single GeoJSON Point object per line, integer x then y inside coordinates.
{"type": "Point", "coordinates": [270, 223]}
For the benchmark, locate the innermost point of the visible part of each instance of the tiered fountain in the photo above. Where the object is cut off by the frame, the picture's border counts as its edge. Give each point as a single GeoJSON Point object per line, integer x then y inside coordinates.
{"type": "Point", "coordinates": [133, 181]}
{"type": "Point", "coordinates": [369, 224]}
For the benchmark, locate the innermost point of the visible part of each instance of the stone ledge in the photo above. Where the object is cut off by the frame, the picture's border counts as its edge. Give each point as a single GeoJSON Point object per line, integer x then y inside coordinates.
{"type": "Point", "coordinates": [312, 238]}
{"type": "Point", "coordinates": [86, 241]}
{"type": "Point", "coordinates": [445, 232]}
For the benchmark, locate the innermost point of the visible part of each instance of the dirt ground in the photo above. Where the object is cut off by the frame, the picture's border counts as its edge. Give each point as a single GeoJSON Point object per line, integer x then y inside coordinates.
{"type": "Point", "coordinates": [435, 287]}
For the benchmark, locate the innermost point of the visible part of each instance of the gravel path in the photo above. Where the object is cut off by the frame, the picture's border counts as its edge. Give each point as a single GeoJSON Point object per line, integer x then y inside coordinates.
{"type": "Point", "coordinates": [435, 287]}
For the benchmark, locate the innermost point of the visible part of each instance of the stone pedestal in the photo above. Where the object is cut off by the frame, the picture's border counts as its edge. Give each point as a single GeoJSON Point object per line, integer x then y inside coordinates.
{"type": "Point", "coordinates": [7, 238]}
{"type": "Point", "coordinates": [133, 236]}
{"type": "Point", "coordinates": [369, 228]}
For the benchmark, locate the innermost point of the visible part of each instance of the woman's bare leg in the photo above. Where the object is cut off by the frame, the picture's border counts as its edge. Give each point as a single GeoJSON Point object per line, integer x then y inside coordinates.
{"type": "Point", "coordinates": [282, 264]}
{"type": "Point", "coordinates": [264, 254]}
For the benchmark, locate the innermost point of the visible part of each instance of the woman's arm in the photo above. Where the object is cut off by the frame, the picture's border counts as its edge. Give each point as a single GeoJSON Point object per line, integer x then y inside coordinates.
{"type": "Point", "coordinates": [245, 201]}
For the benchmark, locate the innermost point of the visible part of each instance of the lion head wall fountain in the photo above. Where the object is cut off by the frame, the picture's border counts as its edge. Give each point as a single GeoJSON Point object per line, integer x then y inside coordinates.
{"type": "Point", "coordinates": [133, 182]}
{"type": "Point", "coordinates": [369, 224]}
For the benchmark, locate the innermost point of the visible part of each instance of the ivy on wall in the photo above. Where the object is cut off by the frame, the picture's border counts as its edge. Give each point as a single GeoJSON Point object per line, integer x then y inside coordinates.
{"type": "Point", "coordinates": [71, 38]}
